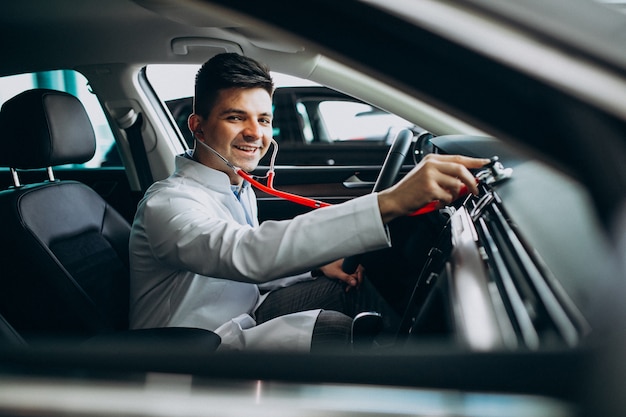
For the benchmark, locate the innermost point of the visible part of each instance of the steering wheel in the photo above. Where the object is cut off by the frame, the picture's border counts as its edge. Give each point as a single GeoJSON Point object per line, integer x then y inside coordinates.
{"type": "Point", "coordinates": [422, 146]}
{"type": "Point", "coordinates": [386, 178]}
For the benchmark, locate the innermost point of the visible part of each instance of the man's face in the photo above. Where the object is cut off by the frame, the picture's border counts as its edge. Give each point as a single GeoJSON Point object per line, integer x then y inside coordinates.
{"type": "Point", "coordinates": [239, 127]}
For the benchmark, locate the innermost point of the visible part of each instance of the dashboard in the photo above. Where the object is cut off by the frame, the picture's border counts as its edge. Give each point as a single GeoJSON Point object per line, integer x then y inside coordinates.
{"type": "Point", "coordinates": [520, 266]}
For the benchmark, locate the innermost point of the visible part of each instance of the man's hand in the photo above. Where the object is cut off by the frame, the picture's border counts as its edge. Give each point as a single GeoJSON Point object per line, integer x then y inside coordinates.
{"type": "Point", "coordinates": [333, 270]}
{"type": "Point", "coordinates": [435, 178]}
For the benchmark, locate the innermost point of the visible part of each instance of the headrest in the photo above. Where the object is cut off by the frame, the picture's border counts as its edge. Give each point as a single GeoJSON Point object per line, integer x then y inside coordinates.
{"type": "Point", "coordinates": [41, 128]}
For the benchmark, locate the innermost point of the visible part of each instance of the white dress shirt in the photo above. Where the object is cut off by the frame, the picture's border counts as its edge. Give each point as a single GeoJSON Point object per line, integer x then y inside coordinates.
{"type": "Point", "coordinates": [196, 262]}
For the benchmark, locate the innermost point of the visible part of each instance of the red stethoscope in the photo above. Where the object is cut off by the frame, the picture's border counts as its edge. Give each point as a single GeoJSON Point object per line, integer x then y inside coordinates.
{"type": "Point", "coordinates": [268, 188]}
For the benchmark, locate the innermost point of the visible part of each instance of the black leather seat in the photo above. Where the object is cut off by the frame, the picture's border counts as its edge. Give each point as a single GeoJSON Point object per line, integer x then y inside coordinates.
{"type": "Point", "coordinates": [64, 263]}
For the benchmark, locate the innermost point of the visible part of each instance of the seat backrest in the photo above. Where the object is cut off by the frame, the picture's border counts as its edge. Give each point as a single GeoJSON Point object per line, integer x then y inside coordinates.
{"type": "Point", "coordinates": [64, 251]}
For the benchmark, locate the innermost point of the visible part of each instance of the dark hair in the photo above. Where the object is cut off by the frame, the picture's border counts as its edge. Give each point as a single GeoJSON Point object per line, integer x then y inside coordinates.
{"type": "Point", "coordinates": [228, 70]}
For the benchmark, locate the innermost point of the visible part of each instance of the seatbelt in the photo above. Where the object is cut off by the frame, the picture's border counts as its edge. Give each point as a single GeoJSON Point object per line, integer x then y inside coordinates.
{"type": "Point", "coordinates": [138, 151]}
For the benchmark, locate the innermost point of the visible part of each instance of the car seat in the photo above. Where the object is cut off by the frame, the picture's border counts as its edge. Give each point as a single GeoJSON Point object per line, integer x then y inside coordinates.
{"type": "Point", "coordinates": [64, 264]}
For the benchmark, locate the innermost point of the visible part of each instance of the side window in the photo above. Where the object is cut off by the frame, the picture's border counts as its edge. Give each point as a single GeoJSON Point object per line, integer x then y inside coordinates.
{"type": "Point", "coordinates": [76, 84]}
{"type": "Point", "coordinates": [351, 120]}
{"type": "Point", "coordinates": [174, 85]}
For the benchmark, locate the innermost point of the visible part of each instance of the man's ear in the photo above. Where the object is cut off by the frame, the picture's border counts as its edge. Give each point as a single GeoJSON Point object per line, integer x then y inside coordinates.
{"type": "Point", "coordinates": [194, 122]}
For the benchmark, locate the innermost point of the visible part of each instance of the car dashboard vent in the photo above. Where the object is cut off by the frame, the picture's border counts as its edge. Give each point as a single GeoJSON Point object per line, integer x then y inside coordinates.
{"type": "Point", "coordinates": [504, 293]}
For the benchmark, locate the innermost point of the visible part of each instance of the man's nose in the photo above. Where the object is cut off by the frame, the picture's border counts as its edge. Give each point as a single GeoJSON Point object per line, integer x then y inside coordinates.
{"type": "Point", "coordinates": [253, 130]}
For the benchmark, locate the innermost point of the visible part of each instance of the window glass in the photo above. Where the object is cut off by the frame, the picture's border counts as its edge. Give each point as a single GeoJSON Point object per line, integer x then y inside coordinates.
{"type": "Point", "coordinates": [76, 84]}
{"type": "Point", "coordinates": [351, 120]}
{"type": "Point", "coordinates": [174, 85]}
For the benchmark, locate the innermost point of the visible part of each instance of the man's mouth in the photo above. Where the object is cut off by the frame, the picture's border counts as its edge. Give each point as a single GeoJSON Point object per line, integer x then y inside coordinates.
{"type": "Point", "coordinates": [247, 149]}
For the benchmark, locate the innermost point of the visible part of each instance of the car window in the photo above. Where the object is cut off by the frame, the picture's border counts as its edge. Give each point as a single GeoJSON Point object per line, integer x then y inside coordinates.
{"type": "Point", "coordinates": [308, 118]}
{"type": "Point", "coordinates": [76, 84]}
{"type": "Point", "coordinates": [350, 120]}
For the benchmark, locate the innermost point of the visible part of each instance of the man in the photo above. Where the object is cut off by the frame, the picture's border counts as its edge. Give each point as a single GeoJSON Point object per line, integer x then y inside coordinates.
{"type": "Point", "coordinates": [199, 257]}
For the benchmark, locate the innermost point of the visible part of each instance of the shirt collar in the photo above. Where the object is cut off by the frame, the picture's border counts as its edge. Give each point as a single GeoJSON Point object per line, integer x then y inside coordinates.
{"type": "Point", "coordinates": [209, 177]}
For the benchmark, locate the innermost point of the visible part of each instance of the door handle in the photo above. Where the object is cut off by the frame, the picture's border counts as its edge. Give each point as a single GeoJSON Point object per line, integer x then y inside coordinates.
{"type": "Point", "coordinates": [355, 182]}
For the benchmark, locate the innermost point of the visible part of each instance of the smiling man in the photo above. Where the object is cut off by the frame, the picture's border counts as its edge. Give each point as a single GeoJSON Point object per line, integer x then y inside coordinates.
{"type": "Point", "coordinates": [199, 257]}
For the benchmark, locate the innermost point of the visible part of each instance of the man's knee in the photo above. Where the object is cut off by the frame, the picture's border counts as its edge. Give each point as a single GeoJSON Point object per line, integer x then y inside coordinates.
{"type": "Point", "coordinates": [332, 331]}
